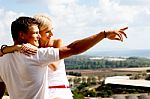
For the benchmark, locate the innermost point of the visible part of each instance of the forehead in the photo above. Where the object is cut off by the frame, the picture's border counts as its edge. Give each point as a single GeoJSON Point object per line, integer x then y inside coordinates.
{"type": "Point", "coordinates": [45, 25]}
{"type": "Point", "coordinates": [48, 28]}
{"type": "Point", "coordinates": [33, 28]}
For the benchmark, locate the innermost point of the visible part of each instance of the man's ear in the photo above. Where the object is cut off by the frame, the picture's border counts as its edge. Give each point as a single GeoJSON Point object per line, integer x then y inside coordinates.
{"type": "Point", "coordinates": [21, 38]}
{"type": "Point", "coordinates": [21, 35]}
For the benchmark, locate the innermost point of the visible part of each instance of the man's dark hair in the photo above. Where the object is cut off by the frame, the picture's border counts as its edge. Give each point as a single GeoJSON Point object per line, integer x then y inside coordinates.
{"type": "Point", "coordinates": [21, 24]}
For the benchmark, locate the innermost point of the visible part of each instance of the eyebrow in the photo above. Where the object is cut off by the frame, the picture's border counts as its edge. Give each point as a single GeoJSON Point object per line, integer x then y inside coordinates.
{"type": "Point", "coordinates": [48, 31]}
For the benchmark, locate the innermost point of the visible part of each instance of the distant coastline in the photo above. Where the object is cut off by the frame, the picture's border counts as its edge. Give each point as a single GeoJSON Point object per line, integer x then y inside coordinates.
{"type": "Point", "coordinates": [121, 53]}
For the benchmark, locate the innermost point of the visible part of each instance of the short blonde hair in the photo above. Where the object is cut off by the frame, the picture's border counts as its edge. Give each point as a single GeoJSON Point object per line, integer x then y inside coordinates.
{"type": "Point", "coordinates": [44, 21]}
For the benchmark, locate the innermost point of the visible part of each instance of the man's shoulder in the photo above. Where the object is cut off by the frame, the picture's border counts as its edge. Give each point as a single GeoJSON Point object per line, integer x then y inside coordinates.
{"type": "Point", "coordinates": [5, 58]}
{"type": "Point", "coordinates": [47, 55]}
{"type": "Point", "coordinates": [48, 50]}
{"type": "Point", "coordinates": [45, 49]}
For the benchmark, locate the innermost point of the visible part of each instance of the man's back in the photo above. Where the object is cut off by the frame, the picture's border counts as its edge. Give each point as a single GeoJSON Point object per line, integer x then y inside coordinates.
{"type": "Point", "coordinates": [26, 76]}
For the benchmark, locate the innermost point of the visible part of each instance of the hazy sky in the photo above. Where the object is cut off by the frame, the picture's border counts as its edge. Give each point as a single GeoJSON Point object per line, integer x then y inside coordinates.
{"type": "Point", "coordinates": [75, 19]}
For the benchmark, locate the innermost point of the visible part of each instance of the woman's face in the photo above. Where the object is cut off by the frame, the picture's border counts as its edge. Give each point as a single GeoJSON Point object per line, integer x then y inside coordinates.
{"type": "Point", "coordinates": [46, 35]}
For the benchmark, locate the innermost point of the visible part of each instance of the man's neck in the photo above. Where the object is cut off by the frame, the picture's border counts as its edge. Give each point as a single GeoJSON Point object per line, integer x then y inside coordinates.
{"type": "Point", "coordinates": [15, 43]}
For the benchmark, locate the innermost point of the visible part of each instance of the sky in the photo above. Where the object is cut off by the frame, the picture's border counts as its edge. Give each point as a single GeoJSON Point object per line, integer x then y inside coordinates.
{"type": "Point", "coordinates": [76, 19]}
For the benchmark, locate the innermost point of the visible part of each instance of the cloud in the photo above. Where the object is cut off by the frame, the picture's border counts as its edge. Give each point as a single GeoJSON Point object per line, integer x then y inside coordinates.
{"type": "Point", "coordinates": [74, 19]}
{"type": "Point", "coordinates": [79, 19]}
{"type": "Point", "coordinates": [6, 17]}
{"type": "Point", "coordinates": [133, 3]}
{"type": "Point", "coordinates": [107, 12]}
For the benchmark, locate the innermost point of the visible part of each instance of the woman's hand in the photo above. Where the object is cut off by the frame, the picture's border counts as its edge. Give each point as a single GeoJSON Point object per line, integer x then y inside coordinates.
{"type": "Point", "coordinates": [28, 49]}
{"type": "Point", "coordinates": [116, 34]}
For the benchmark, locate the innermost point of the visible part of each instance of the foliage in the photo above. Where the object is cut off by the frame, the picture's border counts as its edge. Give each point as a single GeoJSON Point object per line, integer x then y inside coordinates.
{"type": "Point", "coordinates": [85, 62]}
{"type": "Point", "coordinates": [77, 95]}
{"type": "Point", "coordinates": [106, 90]}
{"type": "Point", "coordinates": [73, 73]}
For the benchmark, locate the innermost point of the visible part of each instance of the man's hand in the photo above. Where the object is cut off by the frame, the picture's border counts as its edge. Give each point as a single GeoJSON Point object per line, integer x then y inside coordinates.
{"type": "Point", "coordinates": [116, 34]}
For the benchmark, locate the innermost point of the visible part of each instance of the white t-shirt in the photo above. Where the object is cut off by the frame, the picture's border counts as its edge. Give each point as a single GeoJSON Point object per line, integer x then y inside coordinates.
{"type": "Point", "coordinates": [26, 76]}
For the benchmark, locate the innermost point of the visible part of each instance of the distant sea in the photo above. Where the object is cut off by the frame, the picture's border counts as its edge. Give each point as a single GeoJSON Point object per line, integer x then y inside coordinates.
{"type": "Point", "coordinates": [121, 53]}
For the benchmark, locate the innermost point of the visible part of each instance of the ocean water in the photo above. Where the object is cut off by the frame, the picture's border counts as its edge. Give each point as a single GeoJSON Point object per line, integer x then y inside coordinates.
{"type": "Point", "coordinates": [121, 53]}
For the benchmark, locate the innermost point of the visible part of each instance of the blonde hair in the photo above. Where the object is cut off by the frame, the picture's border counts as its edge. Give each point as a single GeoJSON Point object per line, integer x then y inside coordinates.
{"type": "Point", "coordinates": [44, 21]}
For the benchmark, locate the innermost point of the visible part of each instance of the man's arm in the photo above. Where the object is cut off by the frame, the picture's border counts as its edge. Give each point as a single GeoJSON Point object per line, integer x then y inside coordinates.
{"type": "Point", "coordinates": [82, 45]}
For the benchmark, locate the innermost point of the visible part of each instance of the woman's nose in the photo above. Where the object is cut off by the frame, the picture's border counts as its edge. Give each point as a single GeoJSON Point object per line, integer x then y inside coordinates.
{"type": "Point", "coordinates": [50, 34]}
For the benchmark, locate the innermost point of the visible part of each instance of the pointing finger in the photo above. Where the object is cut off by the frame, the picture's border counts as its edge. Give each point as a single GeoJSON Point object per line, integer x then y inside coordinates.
{"type": "Point", "coordinates": [124, 28]}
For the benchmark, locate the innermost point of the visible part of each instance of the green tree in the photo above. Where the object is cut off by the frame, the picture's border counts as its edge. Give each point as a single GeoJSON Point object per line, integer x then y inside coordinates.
{"type": "Point", "coordinates": [77, 95]}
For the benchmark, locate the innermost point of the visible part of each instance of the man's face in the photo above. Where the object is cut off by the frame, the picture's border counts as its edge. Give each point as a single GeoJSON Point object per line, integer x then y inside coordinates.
{"type": "Point", "coordinates": [33, 35]}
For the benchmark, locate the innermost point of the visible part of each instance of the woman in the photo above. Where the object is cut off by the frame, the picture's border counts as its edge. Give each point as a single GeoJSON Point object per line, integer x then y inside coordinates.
{"type": "Point", "coordinates": [58, 82]}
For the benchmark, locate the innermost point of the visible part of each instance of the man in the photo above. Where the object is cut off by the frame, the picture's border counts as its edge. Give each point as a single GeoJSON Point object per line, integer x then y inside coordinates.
{"type": "Point", "coordinates": [26, 76]}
